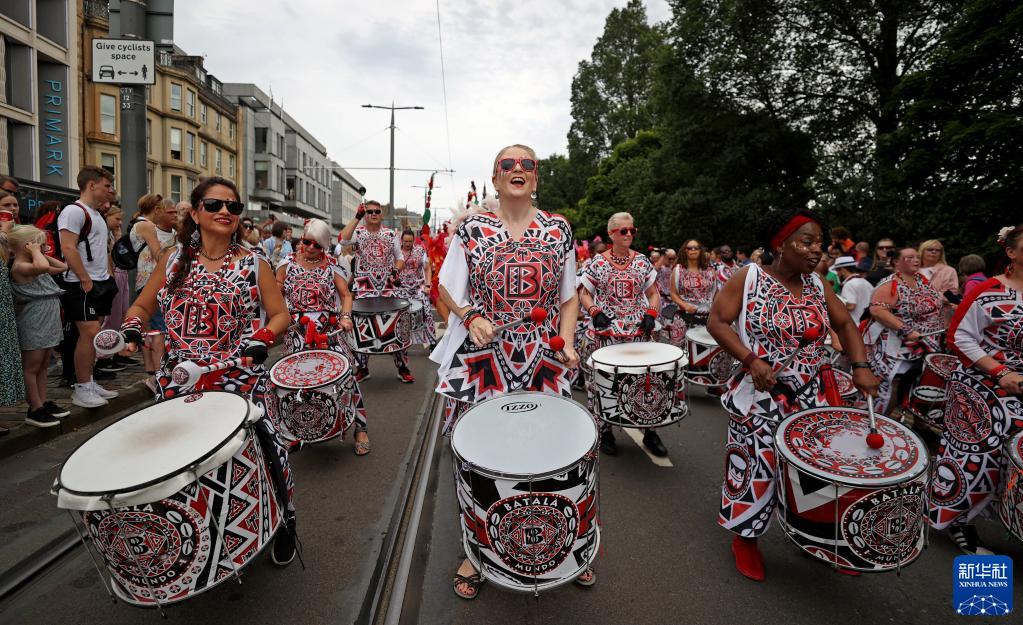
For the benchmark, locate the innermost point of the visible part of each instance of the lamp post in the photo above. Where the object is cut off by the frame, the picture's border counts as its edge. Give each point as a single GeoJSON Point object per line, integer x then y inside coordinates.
{"type": "Point", "coordinates": [392, 108]}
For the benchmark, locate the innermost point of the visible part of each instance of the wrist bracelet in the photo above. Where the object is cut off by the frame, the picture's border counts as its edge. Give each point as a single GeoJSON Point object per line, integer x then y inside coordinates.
{"type": "Point", "coordinates": [132, 323]}
{"type": "Point", "coordinates": [265, 335]}
{"type": "Point", "coordinates": [470, 316]}
{"type": "Point", "coordinates": [589, 311]}
{"type": "Point", "coordinates": [748, 359]}
{"type": "Point", "coordinates": [860, 365]}
{"type": "Point", "coordinates": [997, 372]}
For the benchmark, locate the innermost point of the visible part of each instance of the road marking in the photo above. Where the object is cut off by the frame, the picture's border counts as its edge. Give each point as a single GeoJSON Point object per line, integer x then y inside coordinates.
{"type": "Point", "coordinates": [638, 439]}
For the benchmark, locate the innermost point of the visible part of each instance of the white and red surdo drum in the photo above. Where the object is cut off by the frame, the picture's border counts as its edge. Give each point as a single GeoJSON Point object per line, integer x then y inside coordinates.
{"type": "Point", "coordinates": [526, 481]}
{"type": "Point", "coordinates": [381, 325]}
{"type": "Point", "coordinates": [176, 497]}
{"type": "Point", "coordinates": [927, 398]}
{"type": "Point", "coordinates": [1010, 497]}
{"type": "Point", "coordinates": [938, 370]}
{"type": "Point", "coordinates": [709, 364]}
{"type": "Point", "coordinates": [639, 385]}
{"type": "Point", "coordinates": [312, 400]}
{"type": "Point", "coordinates": [841, 501]}
{"type": "Point", "coordinates": [846, 389]}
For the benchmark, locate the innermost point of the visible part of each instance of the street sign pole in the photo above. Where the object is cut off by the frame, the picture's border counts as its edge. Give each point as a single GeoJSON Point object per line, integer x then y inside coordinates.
{"type": "Point", "coordinates": [133, 117]}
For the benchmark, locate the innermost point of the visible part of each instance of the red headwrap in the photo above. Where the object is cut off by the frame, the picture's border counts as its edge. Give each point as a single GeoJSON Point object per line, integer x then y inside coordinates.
{"type": "Point", "coordinates": [790, 226]}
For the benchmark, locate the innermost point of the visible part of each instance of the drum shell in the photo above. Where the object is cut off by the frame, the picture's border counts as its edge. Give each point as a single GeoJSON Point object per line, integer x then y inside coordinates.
{"type": "Point", "coordinates": [382, 332]}
{"type": "Point", "coordinates": [623, 399]}
{"type": "Point", "coordinates": [928, 404]}
{"type": "Point", "coordinates": [314, 415]}
{"type": "Point", "coordinates": [709, 364]}
{"type": "Point", "coordinates": [182, 535]}
{"type": "Point", "coordinates": [937, 370]}
{"type": "Point", "coordinates": [1009, 503]}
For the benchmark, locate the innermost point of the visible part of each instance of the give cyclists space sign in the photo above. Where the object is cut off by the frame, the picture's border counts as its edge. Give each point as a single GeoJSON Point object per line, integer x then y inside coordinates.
{"type": "Point", "coordinates": [123, 61]}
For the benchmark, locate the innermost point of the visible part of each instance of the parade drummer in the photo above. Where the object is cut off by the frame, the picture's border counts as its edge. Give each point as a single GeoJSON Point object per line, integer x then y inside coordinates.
{"type": "Point", "coordinates": [219, 302]}
{"type": "Point", "coordinates": [780, 308]}
{"type": "Point", "coordinates": [533, 249]}
{"type": "Point", "coordinates": [726, 265]}
{"type": "Point", "coordinates": [378, 260]}
{"type": "Point", "coordinates": [983, 408]}
{"type": "Point", "coordinates": [906, 322]}
{"type": "Point", "coordinates": [416, 279]}
{"type": "Point", "coordinates": [692, 287]}
{"type": "Point", "coordinates": [316, 292]}
{"type": "Point", "coordinates": [619, 293]}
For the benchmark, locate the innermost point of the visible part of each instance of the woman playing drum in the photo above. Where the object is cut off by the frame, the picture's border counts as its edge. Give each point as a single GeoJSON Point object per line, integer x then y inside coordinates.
{"type": "Point", "coordinates": [314, 288]}
{"type": "Point", "coordinates": [782, 310]}
{"type": "Point", "coordinates": [692, 288]}
{"type": "Point", "coordinates": [984, 406]}
{"type": "Point", "coordinates": [219, 302]}
{"type": "Point", "coordinates": [498, 268]}
{"type": "Point", "coordinates": [906, 323]}
{"type": "Point", "coordinates": [416, 278]}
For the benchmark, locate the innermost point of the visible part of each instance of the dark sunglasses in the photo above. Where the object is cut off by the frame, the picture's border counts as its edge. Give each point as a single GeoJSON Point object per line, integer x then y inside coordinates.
{"type": "Point", "coordinates": [247, 226]}
{"type": "Point", "coordinates": [375, 211]}
{"type": "Point", "coordinates": [212, 205]}
{"type": "Point", "coordinates": [886, 247]}
{"type": "Point", "coordinates": [311, 243]}
{"type": "Point", "coordinates": [630, 230]}
{"type": "Point", "coordinates": [508, 164]}
{"type": "Point", "coordinates": [692, 247]}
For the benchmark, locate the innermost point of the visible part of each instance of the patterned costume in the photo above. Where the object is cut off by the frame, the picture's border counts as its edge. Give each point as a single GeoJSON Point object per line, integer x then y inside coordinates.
{"type": "Point", "coordinates": [979, 415]}
{"type": "Point", "coordinates": [697, 288]}
{"type": "Point", "coordinates": [771, 322]}
{"type": "Point", "coordinates": [209, 319]}
{"type": "Point", "coordinates": [412, 279]}
{"type": "Point", "coordinates": [374, 262]}
{"type": "Point", "coordinates": [503, 279]}
{"type": "Point", "coordinates": [726, 271]}
{"type": "Point", "coordinates": [311, 293]}
{"type": "Point", "coordinates": [920, 310]}
{"type": "Point", "coordinates": [663, 279]}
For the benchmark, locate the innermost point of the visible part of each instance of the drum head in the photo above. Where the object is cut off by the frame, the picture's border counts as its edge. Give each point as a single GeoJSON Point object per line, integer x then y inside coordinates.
{"type": "Point", "coordinates": [634, 358]}
{"type": "Point", "coordinates": [524, 434]}
{"type": "Point", "coordinates": [831, 444]}
{"type": "Point", "coordinates": [1015, 449]}
{"type": "Point", "coordinates": [154, 444]}
{"type": "Point", "coordinates": [415, 305]}
{"type": "Point", "coordinates": [929, 394]}
{"type": "Point", "coordinates": [311, 368]}
{"type": "Point", "coordinates": [699, 334]}
{"type": "Point", "coordinates": [373, 305]}
{"type": "Point", "coordinates": [942, 364]}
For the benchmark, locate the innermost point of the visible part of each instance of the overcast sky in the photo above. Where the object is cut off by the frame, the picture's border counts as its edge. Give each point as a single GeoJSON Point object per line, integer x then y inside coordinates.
{"type": "Point", "coordinates": [509, 69]}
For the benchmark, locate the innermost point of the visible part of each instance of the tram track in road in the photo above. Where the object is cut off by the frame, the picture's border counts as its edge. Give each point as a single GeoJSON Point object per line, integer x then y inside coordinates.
{"type": "Point", "coordinates": [38, 563]}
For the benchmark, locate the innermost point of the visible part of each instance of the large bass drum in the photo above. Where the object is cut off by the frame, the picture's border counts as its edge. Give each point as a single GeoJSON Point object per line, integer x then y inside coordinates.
{"type": "Point", "coordinates": [1010, 497]}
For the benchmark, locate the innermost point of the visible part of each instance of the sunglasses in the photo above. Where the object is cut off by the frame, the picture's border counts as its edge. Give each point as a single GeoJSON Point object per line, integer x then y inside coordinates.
{"type": "Point", "coordinates": [886, 247]}
{"type": "Point", "coordinates": [626, 231]}
{"type": "Point", "coordinates": [508, 164]}
{"type": "Point", "coordinates": [212, 205]}
{"type": "Point", "coordinates": [374, 211]}
{"type": "Point", "coordinates": [311, 243]}
{"type": "Point", "coordinates": [695, 248]}
{"type": "Point", "coordinates": [934, 249]}
{"type": "Point", "coordinates": [247, 226]}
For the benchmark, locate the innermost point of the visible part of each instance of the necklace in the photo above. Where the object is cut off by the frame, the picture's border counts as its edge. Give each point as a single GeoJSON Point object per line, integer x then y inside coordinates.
{"type": "Point", "coordinates": [229, 252]}
{"type": "Point", "coordinates": [619, 260]}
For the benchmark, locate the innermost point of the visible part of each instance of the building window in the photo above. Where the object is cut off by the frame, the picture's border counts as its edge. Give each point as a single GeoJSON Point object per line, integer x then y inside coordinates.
{"type": "Point", "coordinates": [218, 122]}
{"type": "Point", "coordinates": [262, 175]}
{"type": "Point", "coordinates": [109, 163]}
{"type": "Point", "coordinates": [191, 148]}
{"type": "Point", "coordinates": [190, 104]}
{"type": "Point", "coordinates": [107, 114]}
{"type": "Point", "coordinates": [149, 180]}
{"type": "Point", "coordinates": [149, 136]}
{"type": "Point", "coordinates": [175, 143]}
{"type": "Point", "coordinates": [230, 165]}
{"type": "Point", "coordinates": [260, 140]}
{"type": "Point", "coordinates": [175, 102]}
{"type": "Point", "coordinates": [175, 193]}
{"type": "Point", "coordinates": [203, 147]}
{"type": "Point", "coordinates": [203, 111]}
{"type": "Point", "coordinates": [230, 130]}
{"type": "Point", "coordinates": [217, 162]}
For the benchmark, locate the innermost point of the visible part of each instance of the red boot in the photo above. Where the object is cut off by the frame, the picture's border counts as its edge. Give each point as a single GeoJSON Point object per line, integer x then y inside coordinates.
{"type": "Point", "coordinates": [748, 560]}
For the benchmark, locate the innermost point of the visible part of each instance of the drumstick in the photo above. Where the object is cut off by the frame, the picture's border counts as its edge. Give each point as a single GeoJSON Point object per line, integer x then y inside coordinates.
{"type": "Point", "coordinates": [537, 315]}
{"type": "Point", "coordinates": [108, 343]}
{"type": "Point", "coordinates": [187, 374]}
{"type": "Point", "coordinates": [874, 440]}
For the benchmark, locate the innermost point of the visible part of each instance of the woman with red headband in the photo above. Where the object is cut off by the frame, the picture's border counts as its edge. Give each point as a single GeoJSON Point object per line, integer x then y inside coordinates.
{"type": "Point", "coordinates": [621, 298]}
{"type": "Point", "coordinates": [476, 361]}
{"type": "Point", "coordinates": [906, 324]}
{"type": "Point", "coordinates": [780, 309]}
{"type": "Point", "coordinates": [984, 407]}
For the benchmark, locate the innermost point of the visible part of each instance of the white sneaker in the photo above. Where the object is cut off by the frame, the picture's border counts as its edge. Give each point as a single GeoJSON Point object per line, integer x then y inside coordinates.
{"type": "Point", "coordinates": [86, 397]}
{"type": "Point", "coordinates": [102, 392]}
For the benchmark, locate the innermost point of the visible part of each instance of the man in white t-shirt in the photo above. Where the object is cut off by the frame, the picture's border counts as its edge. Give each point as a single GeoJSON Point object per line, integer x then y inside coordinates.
{"type": "Point", "coordinates": [856, 291]}
{"type": "Point", "coordinates": [89, 289]}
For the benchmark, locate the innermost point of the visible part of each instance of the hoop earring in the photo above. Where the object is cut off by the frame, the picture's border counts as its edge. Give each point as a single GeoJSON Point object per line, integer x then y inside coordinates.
{"type": "Point", "coordinates": [532, 196]}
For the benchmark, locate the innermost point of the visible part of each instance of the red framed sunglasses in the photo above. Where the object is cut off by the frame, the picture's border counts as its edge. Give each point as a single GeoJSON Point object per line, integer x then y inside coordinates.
{"type": "Point", "coordinates": [508, 164]}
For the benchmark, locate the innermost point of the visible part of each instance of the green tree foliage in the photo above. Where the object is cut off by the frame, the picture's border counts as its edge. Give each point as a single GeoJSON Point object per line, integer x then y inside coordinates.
{"type": "Point", "coordinates": [562, 183]}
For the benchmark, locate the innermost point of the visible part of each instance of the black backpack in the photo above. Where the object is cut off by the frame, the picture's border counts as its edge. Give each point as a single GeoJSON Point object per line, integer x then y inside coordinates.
{"type": "Point", "coordinates": [123, 254]}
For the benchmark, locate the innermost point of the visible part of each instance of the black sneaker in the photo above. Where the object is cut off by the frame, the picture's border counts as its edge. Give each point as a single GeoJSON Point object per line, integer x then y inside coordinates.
{"type": "Point", "coordinates": [55, 409]}
{"type": "Point", "coordinates": [100, 374]}
{"type": "Point", "coordinates": [968, 540]}
{"type": "Point", "coordinates": [653, 442]}
{"type": "Point", "coordinates": [108, 365]}
{"type": "Point", "coordinates": [41, 419]}
{"type": "Point", "coordinates": [283, 550]}
{"type": "Point", "coordinates": [607, 443]}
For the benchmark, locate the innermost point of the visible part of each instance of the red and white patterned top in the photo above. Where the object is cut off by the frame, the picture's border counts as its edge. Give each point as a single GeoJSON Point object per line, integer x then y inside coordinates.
{"type": "Point", "coordinates": [696, 287]}
{"type": "Point", "coordinates": [374, 261]}
{"type": "Point", "coordinates": [311, 290]}
{"type": "Point", "coordinates": [990, 323]}
{"type": "Point", "coordinates": [620, 291]}
{"type": "Point", "coordinates": [413, 276]}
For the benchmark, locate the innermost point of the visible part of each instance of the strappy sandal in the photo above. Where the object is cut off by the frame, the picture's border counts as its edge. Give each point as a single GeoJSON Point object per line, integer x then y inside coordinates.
{"type": "Point", "coordinates": [587, 578]}
{"type": "Point", "coordinates": [472, 581]}
{"type": "Point", "coordinates": [361, 448]}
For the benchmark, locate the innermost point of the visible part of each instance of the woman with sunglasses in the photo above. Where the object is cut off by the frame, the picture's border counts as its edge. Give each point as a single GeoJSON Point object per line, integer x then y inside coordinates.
{"type": "Point", "coordinates": [219, 302]}
{"type": "Point", "coordinates": [415, 279]}
{"type": "Point", "coordinates": [692, 287]}
{"type": "Point", "coordinates": [774, 308]}
{"type": "Point", "coordinates": [906, 324]}
{"type": "Point", "coordinates": [884, 253]}
{"type": "Point", "coordinates": [315, 288]}
{"type": "Point", "coordinates": [983, 407]}
{"type": "Point", "coordinates": [378, 261]}
{"type": "Point", "coordinates": [478, 363]}
{"type": "Point", "coordinates": [621, 298]}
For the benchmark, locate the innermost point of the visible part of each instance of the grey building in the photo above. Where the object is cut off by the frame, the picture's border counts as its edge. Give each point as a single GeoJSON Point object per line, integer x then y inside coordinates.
{"type": "Point", "coordinates": [346, 194]}
{"type": "Point", "coordinates": [263, 151]}
{"type": "Point", "coordinates": [40, 107]}
{"type": "Point", "coordinates": [308, 185]}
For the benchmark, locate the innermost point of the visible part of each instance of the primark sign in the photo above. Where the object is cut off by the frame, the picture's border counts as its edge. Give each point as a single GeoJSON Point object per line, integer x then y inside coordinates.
{"type": "Point", "coordinates": [54, 106]}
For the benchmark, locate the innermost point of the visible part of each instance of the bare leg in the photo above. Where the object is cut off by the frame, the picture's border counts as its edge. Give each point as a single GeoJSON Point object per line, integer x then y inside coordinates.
{"type": "Point", "coordinates": [30, 362]}
{"type": "Point", "coordinates": [85, 353]}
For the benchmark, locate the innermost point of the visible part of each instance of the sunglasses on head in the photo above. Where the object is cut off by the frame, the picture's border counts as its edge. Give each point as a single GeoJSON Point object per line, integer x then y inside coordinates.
{"type": "Point", "coordinates": [508, 164]}
{"type": "Point", "coordinates": [311, 243]}
{"type": "Point", "coordinates": [374, 211]}
{"type": "Point", "coordinates": [629, 230]}
{"type": "Point", "coordinates": [212, 205]}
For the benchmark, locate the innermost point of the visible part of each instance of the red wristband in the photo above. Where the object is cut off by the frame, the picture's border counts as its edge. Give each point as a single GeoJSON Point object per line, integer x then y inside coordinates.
{"type": "Point", "coordinates": [651, 312]}
{"type": "Point", "coordinates": [994, 373]}
{"type": "Point", "coordinates": [748, 360]}
{"type": "Point", "coordinates": [590, 310]}
{"type": "Point", "coordinates": [265, 335]}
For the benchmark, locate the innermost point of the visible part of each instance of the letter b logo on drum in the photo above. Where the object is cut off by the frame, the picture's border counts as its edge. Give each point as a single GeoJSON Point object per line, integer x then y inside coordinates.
{"type": "Point", "coordinates": [982, 585]}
